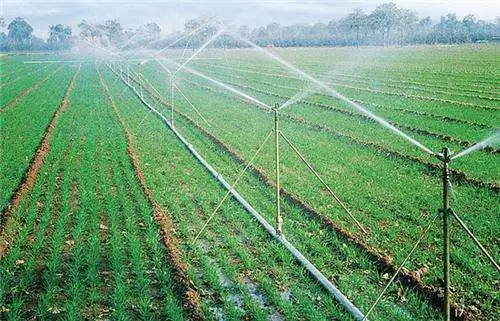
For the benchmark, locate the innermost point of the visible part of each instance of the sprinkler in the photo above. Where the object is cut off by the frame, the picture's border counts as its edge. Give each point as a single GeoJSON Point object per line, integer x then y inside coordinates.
{"type": "Point", "coordinates": [172, 98]}
{"type": "Point", "coordinates": [279, 219]}
{"type": "Point", "coordinates": [445, 158]}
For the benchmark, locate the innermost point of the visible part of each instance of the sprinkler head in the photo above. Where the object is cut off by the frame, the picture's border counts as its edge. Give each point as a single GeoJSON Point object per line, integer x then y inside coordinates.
{"type": "Point", "coordinates": [444, 156]}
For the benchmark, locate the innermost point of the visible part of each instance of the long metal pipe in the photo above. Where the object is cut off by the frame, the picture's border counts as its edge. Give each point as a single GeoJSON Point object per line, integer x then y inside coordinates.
{"type": "Point", "coordinates": [341, 298]}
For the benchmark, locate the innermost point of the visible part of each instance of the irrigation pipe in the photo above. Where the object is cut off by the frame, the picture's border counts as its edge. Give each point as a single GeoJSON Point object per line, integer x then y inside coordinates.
{"type": "Point", "coordinates": [341, 298]}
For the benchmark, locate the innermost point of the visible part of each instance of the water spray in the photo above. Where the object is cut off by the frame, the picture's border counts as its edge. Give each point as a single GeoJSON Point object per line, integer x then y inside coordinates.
{"type": "Point", "coordinates": [227, 87]}
{"type": "Point", "coordinates": [215, 36]}
{"type": "Point", "coordinates": [489, 141]}
{"type": "Point", "coordinates": [334, 93]}
{"type": "Point", "coordinates": [172, 84]}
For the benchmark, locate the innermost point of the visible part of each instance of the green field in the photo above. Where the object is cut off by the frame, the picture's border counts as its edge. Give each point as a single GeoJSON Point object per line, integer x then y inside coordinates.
{"type": "Point", "coordinates": [101, 201]}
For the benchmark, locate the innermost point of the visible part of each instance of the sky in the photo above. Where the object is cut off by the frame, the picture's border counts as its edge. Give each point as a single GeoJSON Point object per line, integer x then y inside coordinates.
{"type": "Point", "coordinates": [171, 14]}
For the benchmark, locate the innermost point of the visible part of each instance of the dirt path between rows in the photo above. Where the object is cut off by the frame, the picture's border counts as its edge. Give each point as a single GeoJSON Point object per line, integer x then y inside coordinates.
{"type": "Point", "coordinates": [191, 299]}
{"type": "Point", "coordinates": [26, 92]}
{"type": "Point", "coordinates": [29, 177]}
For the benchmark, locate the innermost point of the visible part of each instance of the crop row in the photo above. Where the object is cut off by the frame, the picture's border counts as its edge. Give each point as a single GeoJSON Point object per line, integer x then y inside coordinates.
{"type": "Point", "coordinates": [375, 209]}
{"type": "Point", "coordinates": [443, 137]}
{"type": "Point", "coordinates": [402, 110]}
{"type": "Point", "coordinates": [20, 71]}
{"type": "Point", "coordinates": [11, 91]}
{"type": "Point", "coordinates": [284, 82]}
{"type": "Point", "coordinates": [477, 165]}
{"type": "Point", "coordinates": [477, 100]}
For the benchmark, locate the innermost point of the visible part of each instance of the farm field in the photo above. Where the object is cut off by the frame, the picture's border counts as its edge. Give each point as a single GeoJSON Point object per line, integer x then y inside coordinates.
{"type": "Point", "coordinates": [101, 201]}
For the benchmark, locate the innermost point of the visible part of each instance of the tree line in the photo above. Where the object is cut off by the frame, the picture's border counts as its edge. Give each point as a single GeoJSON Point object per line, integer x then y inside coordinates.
{"type": "Point", "coordinates": [385, 25]}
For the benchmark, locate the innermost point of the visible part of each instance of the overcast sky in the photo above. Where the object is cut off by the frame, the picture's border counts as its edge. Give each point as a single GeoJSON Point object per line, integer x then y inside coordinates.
{"type": "Point", "coordinates": [171, 15]}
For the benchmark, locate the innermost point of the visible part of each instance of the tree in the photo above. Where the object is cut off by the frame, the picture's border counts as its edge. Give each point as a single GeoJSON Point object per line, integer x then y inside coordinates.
{"type": "Point", "coordinates": [449, 28]}
{"type": "Point", "coordinates": [145, 36]}
{"type": "Point", "coordinates": [113, 30]}
{"type": "Point", "coordinates": [406, 20]}
{"type": "Point", "coordinates": [59, 37]}
{"type": "Point", "coordinates": [469, 22]}
{"type": "Point", "coordinates": [202, 29]}
{"type": "Point", "coordinates": [355, 21]}
{"type": "Point", "coordinates": [88, 31]}
{"type": "Point", "coordinates": [384, 18]}
{"type": "Point", "coordinates": [20, 33]}
{"type": "Point", "coordinates": [153, 30]}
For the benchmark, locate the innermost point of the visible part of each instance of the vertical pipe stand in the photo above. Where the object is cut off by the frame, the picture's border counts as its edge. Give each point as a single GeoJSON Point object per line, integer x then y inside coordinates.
{"type": "Point", "coordinates": [279, 220]}
{"type": "Point", "coordinates": [446, 231]}
{"type": "Point", "coordinates": [172, 98]}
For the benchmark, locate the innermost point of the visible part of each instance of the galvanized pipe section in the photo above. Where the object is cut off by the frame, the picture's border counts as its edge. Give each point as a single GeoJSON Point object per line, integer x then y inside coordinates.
{"type": "Point", "coordinates": [342, 299]}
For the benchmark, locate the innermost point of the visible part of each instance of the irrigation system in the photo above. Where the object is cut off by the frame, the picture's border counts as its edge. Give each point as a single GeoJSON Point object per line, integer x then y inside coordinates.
{"type": "Point", "coordinates": [130, 78]}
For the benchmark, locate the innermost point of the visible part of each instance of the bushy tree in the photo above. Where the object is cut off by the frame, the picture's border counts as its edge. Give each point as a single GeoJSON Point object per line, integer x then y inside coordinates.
{"type": "Point", "coordinates": [355, 22]}
{"type": "Point", "coordinates": [383, 19]}
{"type": "Point", "coordinates": [59, 37]}
{"type": "Point", "coordinates": [19, 34]}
